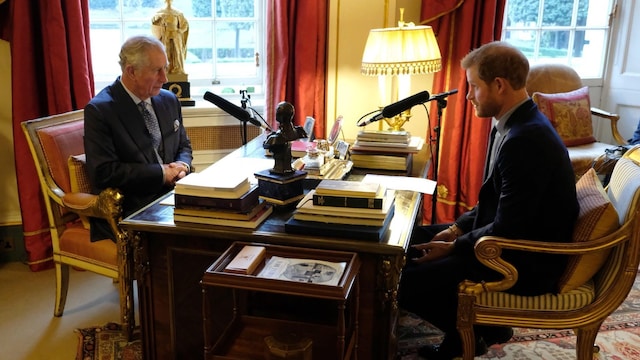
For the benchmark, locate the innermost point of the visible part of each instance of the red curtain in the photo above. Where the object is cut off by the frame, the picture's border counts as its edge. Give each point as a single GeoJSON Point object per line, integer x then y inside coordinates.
{"type": "Point", "coordinates": [51, 74]}
{"type": "Point", "coordinates": [460, 26]}
{"type": "Point", "coordinates": [296, 59]}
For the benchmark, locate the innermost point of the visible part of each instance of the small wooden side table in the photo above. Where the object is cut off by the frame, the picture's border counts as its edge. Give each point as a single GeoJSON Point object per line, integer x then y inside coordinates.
{"type": "Point", "coordinates": [308, 313]}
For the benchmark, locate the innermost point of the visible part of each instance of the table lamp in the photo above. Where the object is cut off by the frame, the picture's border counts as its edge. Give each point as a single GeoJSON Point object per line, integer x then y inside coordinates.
{"type": "Point", "coordinates": [400, 51]}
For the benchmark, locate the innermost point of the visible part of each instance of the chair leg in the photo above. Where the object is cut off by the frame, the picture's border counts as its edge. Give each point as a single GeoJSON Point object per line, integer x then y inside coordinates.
{"type": "Point", "coordinates": [62, 286]}
{"type": "Point", "coordinates": [468, 342]}
{"type": "Point", "coordinates": [586, 338]}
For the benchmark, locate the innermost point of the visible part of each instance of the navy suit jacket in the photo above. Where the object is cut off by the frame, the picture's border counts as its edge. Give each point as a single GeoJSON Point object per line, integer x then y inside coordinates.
{"type": "Point", "coordinates": [119, 150]}
{"type": "Point", "coordinates": [530, 194]}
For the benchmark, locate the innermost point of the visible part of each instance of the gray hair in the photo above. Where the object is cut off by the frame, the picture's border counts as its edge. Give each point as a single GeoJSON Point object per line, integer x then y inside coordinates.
{"type": "Point", "coordinates": [135, 48]}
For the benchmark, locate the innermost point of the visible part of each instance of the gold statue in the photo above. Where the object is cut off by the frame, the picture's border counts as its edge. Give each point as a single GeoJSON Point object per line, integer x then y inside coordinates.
{"type": "Point", "coordinates": [172, 29]}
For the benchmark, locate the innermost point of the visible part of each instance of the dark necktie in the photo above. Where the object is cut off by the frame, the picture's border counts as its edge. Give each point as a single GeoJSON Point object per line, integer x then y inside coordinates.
{"type": "Point", "coordinates": [490, 153]}
{"type": "Point", "coordinates": [152, 125]}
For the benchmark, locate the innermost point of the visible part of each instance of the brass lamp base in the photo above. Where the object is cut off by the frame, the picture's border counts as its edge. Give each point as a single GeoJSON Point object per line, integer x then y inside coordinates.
{"type": "Point", "coordinates": [395, 123]}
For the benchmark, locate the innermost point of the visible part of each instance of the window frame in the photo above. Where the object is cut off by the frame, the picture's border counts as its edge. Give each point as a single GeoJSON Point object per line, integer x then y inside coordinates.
{"type": "Point", "coordinates": [572, 28]}
{"type": "Point", "coordinates": [198, 83]}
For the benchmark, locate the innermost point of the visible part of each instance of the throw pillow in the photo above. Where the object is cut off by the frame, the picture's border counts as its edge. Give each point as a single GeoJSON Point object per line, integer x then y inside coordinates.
{"type": "Point", "coordinates": [597, 218]}
{"type": "Point", "coordinates": [570, 115]}
{"type": "Point", "coordinates": [78, 174]}
{"type": "Point", "coordinates": [79, 178]}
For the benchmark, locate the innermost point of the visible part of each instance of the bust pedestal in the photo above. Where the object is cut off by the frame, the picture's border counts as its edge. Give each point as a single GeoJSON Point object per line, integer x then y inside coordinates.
{"type": "Point", "coordinates": [179, 85]}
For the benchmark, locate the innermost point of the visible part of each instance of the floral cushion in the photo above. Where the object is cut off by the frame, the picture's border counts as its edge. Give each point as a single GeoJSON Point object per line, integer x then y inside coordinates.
{"type": "Point", "coordinates": [570, 115]}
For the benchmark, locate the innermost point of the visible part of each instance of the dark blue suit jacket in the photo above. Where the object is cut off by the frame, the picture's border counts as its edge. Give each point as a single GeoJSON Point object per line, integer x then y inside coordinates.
{"type": "Point", "coordinates": [530, 194]}
{"type": "Point", "coordinates": [119, 149]}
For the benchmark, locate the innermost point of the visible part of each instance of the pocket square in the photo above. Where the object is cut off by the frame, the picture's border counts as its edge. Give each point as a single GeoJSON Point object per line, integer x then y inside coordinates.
{"type": "Point", "coordinates": [176, 125]}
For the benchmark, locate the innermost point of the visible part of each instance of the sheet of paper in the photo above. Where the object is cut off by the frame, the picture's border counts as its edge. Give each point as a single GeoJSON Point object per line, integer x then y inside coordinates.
{"type": "Point", "coordinates": [424, 186]}
{"type": "Point", "coordinates": [248, 166]}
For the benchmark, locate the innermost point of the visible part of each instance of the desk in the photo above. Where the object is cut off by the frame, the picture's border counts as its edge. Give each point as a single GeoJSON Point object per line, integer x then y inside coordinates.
{"type": "Point", "coordinates": [170, 260]}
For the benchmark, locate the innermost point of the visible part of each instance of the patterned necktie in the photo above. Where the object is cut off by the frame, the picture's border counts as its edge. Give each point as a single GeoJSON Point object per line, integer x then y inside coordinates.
{"type": "Point", "coordinates": [152, 125]}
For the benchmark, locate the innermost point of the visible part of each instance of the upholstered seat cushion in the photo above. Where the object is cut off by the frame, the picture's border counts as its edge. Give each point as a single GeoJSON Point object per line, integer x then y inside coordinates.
{"type": "Point", "coordinates": [574, 299]}
{"type": "Point", "coordinates": [74, 242]}
{"type": "Point", "coordinates": [583, 156]}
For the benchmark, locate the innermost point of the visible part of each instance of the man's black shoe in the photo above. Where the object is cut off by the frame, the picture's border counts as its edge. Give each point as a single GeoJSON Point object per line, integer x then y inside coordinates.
{"type": "Point", "coordinates": [494, 334]}
{"type": "Point", "coordinates": [444, 351]}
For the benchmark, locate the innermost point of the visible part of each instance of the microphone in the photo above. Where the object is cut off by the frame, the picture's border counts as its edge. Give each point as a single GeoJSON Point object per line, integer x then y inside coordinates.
{"type": "Point", "coordinates": [443, 95]}
{"type": "Point", "coordinates": [399, 106]}
{"type": "Point", "coordinates": [231, 109]}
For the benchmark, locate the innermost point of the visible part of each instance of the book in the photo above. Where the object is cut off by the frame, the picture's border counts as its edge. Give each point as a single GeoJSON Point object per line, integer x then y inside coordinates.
{"type": "Point", "coordinates": [348, 188]}
{"type": "Point", "coordinates": [225, 186]}
{"type": "Point", "coordinates": [219, 213]}
{"type": "Point", "coordinates": [370, 160]}
{"type": "Point", "coordinates": [414, 146]}
{"type": "Point", "coordinates": [384, 136]}
{"type": "Point", "coordinates": [242, 204]}
{"type": "Point", "coordinates": [247, 260]}
{"type": "Point", "coordinates": [348, 201]}
{"type": "Point", "coordinates": [338, 219]}
{"type": "Point", "coordinates": [299, 147]}
{"type": "Point", "coordinates": [350, 231]}
{"type": "Point", "coordinates": [248, 224]}
{"type": "Point", "coordinates": [303, 270]}
{"type": "Point", "coordinates": [306, 206]}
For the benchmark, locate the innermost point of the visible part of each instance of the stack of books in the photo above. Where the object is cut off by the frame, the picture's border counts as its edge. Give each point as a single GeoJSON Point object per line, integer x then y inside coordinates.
{"type": "Point", "coordinates": [227, 200]}
{"type": "Point", "coordinates": [385, 150]}
{"type": "Point", "coordinates": [351, 209]}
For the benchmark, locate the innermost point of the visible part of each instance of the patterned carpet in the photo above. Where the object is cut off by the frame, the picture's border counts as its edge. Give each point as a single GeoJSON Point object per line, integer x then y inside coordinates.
{"type": "Point", "coordinates": [619, 339]}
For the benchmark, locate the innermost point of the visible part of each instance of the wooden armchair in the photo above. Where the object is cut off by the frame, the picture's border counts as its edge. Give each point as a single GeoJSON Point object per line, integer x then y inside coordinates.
{"type": "Point", "coordinates": [56, 144]}
{"type": "Point", "coordinates": [560, 95]}
{"type": "Point", "coordinates": [611, 251]}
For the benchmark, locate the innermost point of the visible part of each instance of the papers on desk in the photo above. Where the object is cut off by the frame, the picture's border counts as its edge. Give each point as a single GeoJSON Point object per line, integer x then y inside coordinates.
{"type": "Point", "coordinates": [424, 186]}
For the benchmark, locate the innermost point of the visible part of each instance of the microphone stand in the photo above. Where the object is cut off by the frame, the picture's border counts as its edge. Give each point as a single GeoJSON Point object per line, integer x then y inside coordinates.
{"type": "Point", "coordinates": [442, 103]}
{"type": "Point", "coordinates": [243, 102]}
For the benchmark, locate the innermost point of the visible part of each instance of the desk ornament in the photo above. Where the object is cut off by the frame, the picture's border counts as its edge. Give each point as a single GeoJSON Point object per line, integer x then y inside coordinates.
{"type": "Point", "coordinates": [282, 185]}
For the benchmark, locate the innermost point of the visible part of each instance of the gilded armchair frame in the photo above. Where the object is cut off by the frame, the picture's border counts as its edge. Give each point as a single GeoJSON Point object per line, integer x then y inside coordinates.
{"type": "Point", "coordinates": [65, 208]}
{"type": "Point", "coordinates": [612, 283]}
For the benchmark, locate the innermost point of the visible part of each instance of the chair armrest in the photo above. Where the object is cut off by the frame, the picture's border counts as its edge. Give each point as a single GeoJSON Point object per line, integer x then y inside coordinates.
{"type": "Point", "coordinates": [488, 250]}
{"type": "Point", "coordinates": [107, 205]}
{"type": "Point", "coordinates": [613, 118]}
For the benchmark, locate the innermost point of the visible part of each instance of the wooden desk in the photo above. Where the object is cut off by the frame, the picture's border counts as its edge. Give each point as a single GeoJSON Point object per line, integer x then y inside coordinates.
{"type": "Point", "coordinates": [171, 259]}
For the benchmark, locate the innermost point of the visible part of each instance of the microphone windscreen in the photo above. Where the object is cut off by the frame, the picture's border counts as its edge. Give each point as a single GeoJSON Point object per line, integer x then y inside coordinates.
{"type": "Point", "coordinates": [405, 104]}
{"type": "Point", "coordinates": [230, 108]}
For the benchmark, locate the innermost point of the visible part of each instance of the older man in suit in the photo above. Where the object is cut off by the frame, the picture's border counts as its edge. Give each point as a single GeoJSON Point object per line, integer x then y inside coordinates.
{"type": "Point", "coordinates": [134, 137]}
{"type": "Point", "coordinates": [528, 193]}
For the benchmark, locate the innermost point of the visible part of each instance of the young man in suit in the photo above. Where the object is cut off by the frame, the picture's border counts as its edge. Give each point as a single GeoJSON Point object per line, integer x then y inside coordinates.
{"type": "Point", "coordinates": [134, 137]}
{"type": "Point", "coordinates": [528, 193]}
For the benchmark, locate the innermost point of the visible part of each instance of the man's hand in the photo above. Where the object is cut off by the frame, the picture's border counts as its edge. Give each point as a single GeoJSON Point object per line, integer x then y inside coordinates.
{"type": "Point", "coordinates": [433, 250]}
{"type": "Point", "coordinates": [445, 235]}
{"type": "Point", "coordinates": [174, 172]}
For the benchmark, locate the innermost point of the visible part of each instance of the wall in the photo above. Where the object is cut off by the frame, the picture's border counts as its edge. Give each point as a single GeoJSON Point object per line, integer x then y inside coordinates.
{"type": "Point", "coordinates": [11, 243]}
{"type": "Point", "coordinates": [351, 94]}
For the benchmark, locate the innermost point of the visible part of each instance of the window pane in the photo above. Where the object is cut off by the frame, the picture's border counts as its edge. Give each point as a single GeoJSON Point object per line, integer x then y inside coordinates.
{"type": "Point", "coordinates": [557, 13]}
{"type": "Point", "coordinates": [553, 44]}
{"type": "Point", "coordinates": [235, 49]}
{"type": "Point", "coordinates": [589, 63]}
{"type": "Point", "coordinates": [597, 12]}
{"type": "Point", "coordinates": [105, 46]}
{"type": "Point", "coordinates": [522, 13]}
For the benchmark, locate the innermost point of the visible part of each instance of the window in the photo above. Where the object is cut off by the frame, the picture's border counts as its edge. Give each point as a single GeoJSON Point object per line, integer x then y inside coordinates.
{"type": "Point", "coordinates": [572, 32]}
{"type": "Point", "coordinates": [225, 43]}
